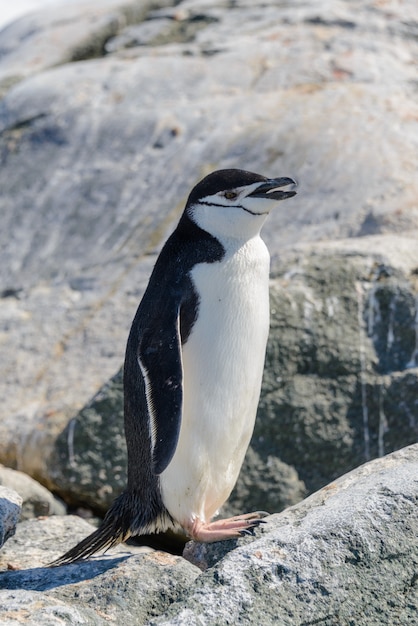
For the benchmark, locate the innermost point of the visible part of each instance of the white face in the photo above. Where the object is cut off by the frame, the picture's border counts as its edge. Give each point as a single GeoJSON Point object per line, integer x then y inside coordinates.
{"type": "Point", "coordinates": [232, 214]}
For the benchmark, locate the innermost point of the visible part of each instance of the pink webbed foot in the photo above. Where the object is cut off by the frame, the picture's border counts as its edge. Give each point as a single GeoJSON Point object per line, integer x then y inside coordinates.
{"type": "Point", "coordinates": [222, 529]}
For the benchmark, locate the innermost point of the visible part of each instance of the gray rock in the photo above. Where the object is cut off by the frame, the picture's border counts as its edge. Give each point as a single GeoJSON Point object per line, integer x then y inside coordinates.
{"type": "Point", "coordinates": [346, 555]}
{"type": "Point", "coordinates": [10, 507]}
{"type": "Point", "coordinates": [33, 608]}
{"type": "Point", "coordinates": [341, 366]}
{"type": "Point", "coordinates": [131, 585]}
{"type": "Point", "coordinates": [62, 34]}
{"type": "Point", "coordinates": [38, 541]}
{"type": "Point", "coordinates": [88, 462]}
{"type": "Point", "coordinates": [36, 500]}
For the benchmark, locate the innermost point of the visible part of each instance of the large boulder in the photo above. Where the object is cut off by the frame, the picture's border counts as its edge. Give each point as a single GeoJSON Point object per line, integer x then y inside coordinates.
{"type": "Point", "coordinates": [341, 373]}
{"type": "Point", "coordinates": [132, 585]}
{"type": "Point", "coordinates": [345, 555]}
{"type": "Point", "coordinates": [59, 35]}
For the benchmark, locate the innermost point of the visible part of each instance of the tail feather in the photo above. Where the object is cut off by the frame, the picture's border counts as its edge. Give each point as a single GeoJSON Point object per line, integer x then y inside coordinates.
{"type": "Point", "coordinates": [127, 516]}
{"type": "Point", "coordinates": [103, 538]}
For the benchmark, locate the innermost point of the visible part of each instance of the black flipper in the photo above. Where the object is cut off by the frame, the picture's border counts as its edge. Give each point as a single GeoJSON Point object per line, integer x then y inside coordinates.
{"type": "Point", "coordinates": [161, 365]}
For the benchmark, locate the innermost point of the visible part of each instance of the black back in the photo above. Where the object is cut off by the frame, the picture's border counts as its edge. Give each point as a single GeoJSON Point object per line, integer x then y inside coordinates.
{"type": "Point", "coordinates": [162, 323]}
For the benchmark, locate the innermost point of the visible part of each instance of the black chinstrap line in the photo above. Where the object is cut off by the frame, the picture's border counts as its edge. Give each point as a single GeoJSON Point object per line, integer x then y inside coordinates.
{"type": "Point", "coordinates": [230, 206]}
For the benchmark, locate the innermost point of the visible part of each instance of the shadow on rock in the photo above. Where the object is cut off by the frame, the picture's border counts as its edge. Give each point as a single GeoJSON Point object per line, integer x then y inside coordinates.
{"type": "Point", "coordinates": [45, 578]}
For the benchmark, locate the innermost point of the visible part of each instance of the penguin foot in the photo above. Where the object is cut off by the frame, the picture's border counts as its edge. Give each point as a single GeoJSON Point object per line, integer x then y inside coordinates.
{"type": "Point", "coordinates": [219, 530]}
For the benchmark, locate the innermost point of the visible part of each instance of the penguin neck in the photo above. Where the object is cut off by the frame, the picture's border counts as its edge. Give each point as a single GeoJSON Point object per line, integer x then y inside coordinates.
{"type": "Point", "coordinates": [189, 230]}
{"type": "Point", "coordinates": [201, 245]}
{"type": "Point", "coordinates": [227, 223]}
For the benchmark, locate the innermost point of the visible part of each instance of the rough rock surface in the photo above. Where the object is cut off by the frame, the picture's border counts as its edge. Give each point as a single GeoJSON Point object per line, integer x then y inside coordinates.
{"type": "Point", "coordinates": [129, 586]}
{"type": "Point", "coordinates": [346, 555]}
{"type": "Point", "coordinates": [340, 381]}
{"type": "Point", "coordinates": [63, 34]}
{"type": "Point", "coordinates": [36, 500]}
{"type": "Point", "coordinates": [10, 507]}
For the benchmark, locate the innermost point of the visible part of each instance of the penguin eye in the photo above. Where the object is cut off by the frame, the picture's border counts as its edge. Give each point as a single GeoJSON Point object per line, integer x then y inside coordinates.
{"type": "Point", "coordinates": [230, 195]}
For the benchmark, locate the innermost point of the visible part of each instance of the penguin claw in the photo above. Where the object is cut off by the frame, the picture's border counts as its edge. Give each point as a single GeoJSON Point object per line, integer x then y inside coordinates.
{"type": "Point", "coordinates": [247, 532]}
{"type": "Point", "coordinates": [219, 530]}
{"type": "Point", "coordinates": [252, 525]}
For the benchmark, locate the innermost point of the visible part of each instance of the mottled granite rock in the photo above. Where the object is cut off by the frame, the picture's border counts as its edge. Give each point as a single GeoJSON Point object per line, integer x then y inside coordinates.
{"type": "Point", "coordinates": [10, 507]}
{"type": "Point", "coordinates": [345, 555]}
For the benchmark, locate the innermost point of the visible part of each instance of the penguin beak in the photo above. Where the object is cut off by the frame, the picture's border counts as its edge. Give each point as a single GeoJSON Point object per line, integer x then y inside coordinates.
{"type": "Point", "coordinates": [271, 189]}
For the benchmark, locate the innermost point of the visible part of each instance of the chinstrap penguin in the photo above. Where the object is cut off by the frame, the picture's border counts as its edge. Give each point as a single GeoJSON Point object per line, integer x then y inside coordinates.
{"type": "Point", "coordinates": [193, 367]}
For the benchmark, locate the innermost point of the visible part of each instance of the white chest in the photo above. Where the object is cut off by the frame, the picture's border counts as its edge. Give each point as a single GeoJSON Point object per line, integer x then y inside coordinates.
{"type": "Point", "coordinates": [223, 362]}
{"type": "Point", "coordinates": [231, 330]}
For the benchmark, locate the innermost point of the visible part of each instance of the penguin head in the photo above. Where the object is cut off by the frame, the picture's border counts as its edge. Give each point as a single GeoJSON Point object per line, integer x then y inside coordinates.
{"type": "Point", "coordinates": [235, 203]}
